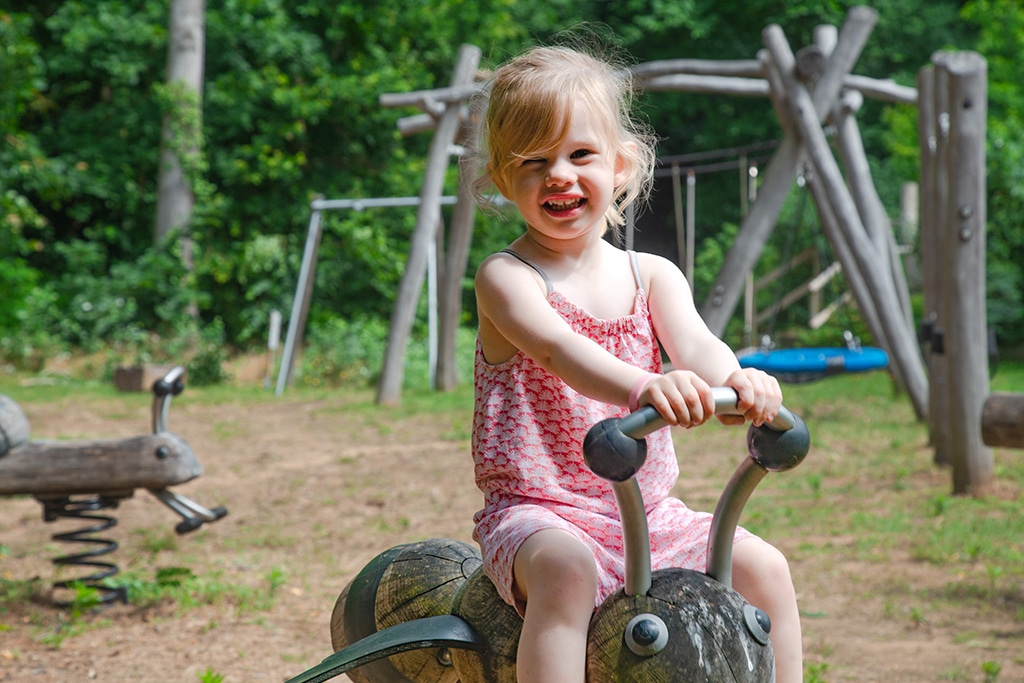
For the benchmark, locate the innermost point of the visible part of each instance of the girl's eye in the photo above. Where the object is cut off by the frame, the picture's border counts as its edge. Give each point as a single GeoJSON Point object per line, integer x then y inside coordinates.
{"type": "Point", "coordinates": [580, 153]}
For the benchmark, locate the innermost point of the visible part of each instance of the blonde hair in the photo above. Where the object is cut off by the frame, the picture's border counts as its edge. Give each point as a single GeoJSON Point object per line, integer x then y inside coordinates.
{"type": "Point", "coordinates": [529, 103]}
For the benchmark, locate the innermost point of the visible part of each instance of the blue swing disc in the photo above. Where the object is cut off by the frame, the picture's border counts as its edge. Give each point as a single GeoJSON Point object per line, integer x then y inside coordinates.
{"type": "Point", "coordinates": [811, 363]}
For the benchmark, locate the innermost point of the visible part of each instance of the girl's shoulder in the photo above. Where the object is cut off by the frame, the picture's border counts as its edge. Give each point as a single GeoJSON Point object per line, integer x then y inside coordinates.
{"type": "Point", "coordinates": [507, 271]}
{"type": "Point", "coordinates": [653, 267]}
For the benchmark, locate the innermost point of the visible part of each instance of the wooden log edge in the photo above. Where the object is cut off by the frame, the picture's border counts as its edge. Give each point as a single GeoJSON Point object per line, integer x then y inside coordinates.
{"type": "Point", "coordinates": [1002, 420]}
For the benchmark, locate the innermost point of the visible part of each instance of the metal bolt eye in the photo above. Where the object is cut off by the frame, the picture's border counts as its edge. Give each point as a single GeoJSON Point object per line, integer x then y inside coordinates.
{"type": "Point", "coordinates": [646, 635]}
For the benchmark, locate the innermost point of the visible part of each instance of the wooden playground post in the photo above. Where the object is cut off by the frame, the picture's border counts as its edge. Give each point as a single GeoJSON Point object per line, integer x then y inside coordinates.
{"type": "Point", "coordinates": [450, 295]}
{"type": "Point", "coordinates": [778, 179]}
{"type": "Point", "coordinates": [865, 196]}
{"type": "Point", "coordinates": [872, 262]}
{"type": "Point", "coordinates": [402, 315]}
{"type": "Point", "coordinates": [933, 139]}
{"type": "Point", "coordinates": [966, 337]}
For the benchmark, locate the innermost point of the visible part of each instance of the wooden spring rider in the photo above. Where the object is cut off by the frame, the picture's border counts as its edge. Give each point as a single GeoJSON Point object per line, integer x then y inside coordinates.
{"type": "Point", "coordinates": [76, 479]}
{"type": "Point", "coordinates": [426, 613]}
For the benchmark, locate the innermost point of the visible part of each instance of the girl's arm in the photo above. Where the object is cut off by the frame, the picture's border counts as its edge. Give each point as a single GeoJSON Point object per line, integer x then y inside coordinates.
{"type": "Point", "coordinates": [695, 350]}
{"type": "Point", "coordinates": [515, 315]}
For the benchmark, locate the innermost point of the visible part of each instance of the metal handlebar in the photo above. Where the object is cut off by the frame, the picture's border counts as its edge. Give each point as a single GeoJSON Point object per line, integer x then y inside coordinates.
{"type": "Point", "coordinates": [164, 389]}
{"type": "Point", "coordinates": [647, 419]}
{"type": "Point", "coordinates": [615, 450]}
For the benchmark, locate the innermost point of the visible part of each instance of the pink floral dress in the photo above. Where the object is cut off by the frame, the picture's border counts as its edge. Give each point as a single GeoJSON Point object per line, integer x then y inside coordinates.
{"type": "Point", "coordinates": [528, 432]}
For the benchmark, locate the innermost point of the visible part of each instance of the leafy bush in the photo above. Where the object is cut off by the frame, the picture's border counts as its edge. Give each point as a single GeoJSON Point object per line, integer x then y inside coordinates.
{"type": "Point", "coordinates": [340, 351]}
{"type": "Point", "coordinates": [207, 359]}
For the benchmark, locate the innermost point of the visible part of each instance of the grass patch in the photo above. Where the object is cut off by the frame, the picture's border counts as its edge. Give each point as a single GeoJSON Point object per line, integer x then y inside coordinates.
{"type": "Point", "coordinates": [180, 587]}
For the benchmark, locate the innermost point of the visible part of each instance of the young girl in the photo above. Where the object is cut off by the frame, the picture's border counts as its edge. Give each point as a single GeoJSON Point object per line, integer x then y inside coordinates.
{"type": "Point", "coordinates": [570, 328]}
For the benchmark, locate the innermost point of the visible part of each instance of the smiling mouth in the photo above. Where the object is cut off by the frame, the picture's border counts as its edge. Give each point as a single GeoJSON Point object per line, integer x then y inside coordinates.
{"type": "Point", "coordinates": [564, 204]}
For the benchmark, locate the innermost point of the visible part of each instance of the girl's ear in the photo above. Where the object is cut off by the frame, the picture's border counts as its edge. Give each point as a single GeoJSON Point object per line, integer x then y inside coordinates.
{"type": "Point", "coordinates": [625, 166]}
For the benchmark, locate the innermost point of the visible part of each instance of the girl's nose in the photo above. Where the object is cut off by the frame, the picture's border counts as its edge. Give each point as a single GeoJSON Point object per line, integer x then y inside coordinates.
{"type": "Point", "coordinates": [560, 172]}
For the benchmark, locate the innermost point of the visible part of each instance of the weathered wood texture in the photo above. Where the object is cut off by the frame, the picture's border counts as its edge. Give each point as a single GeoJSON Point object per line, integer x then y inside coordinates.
{"type": "Point", "coordinates": [707, 635]}
{"type": "Point", "coordinates": [966, 325]}
{"type": "Point", "coordinates": [154, 461]}
{"type": "Point", "coordinates": [873, 263]}
{"type": "Point", "coordinates": [933, 140]}
{"type": "Point", "coordinates": [497, 622]}
{"type": "Point", "coordinates": [389, 387]}
{"type": "Point", "coordinates": [450, 290]}
{"type": "Point", "coordinates": [404, 583]}
{"type": "Point", "coordinates": [1002, 420]}
{"type": "Point", "coordinates": [757, 225]}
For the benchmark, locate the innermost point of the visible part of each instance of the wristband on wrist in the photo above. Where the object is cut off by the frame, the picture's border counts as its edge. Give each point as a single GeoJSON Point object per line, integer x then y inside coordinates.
{"type": "Point", "coordinates": [638, 388]}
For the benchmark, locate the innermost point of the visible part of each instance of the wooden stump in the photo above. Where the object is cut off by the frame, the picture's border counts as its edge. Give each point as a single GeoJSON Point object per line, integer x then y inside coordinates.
{"type": "Point", "coordinates": [1002, 420]}
{"type": "Point", "coordinates": [13, 425]}
{"type": "Point", "coordinates": [708, 639]}
{"type": "Point", "coordinates": [498, 624]}
{"type": "Point", "coordinates": [404, 583]}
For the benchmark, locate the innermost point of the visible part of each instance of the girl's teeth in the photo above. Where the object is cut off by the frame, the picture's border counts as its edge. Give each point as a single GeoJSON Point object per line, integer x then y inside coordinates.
{"type": "Point", "coordinates": [563, 205]}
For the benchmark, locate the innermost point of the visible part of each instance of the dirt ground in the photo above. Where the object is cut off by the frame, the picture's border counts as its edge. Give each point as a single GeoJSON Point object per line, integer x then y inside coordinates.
{"type": "Point", "coordinates": [315, 489]}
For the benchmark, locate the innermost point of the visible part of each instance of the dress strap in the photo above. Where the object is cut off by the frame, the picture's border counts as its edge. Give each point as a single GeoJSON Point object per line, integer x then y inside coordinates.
{"type": "Point", "coordinates": [547, 280]}
{"type": "Point", "coordinates": [636, 269]}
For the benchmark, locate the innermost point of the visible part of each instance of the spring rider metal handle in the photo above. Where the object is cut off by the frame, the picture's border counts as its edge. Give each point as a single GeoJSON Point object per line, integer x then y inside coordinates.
{"type": "Point", "coordinates": [615, 450]}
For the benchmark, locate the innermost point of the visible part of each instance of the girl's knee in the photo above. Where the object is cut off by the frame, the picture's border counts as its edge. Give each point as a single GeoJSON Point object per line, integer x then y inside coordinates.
{"type": "Point", "coordinates": [555, 564]}
{"type": "Point", "coordinates": [761, 567]}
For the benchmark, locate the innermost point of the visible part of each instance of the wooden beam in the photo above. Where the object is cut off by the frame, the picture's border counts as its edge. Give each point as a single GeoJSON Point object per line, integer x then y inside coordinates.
{"type": "Point", "coordinates": [854, 277]}
{"type": "Point", "coordinates": [424, 98]}
{"type": "Point", "coordinates": [868, 258]}
{"type": "Point", "coordinates": [865, 196]}
{"type": "Point", "coordinates": [885, 90]}
{"type": "Point", "coordinates": [801, 258]}
{"type": "Point", "coordinates": [759, 221]}
{"type": "Point", "coordinates": [744, 68]}
{"type": "Point", "coordinates": [716, 85]}
{"type": "Point", "coordinates": [810, 63]}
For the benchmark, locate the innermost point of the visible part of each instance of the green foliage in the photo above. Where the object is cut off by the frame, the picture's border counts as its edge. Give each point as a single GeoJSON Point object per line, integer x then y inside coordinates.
{"type": "Point", "coordinates": [815, 673]}
{"type": "Point", "coordinates": [206, 366]}
{"type": "Point", "coordinates": [209, 676]}
{"type": "Point", "coordinates": [1001, 41]}
{"type": "Point", "coordinates": [180, 586]}
{"type": "Point", "coordinates": [343, 351]}
{"type": "Point", "coordinates": [94, 304]}
{"type": "Point", "coordinates": [290, 110]}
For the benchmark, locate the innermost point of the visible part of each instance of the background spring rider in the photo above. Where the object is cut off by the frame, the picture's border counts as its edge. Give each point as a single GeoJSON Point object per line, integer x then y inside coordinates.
{"type": "Point", "coordinates": [426, 613]}
{"type": "Point", "coordinates": [83, 479]}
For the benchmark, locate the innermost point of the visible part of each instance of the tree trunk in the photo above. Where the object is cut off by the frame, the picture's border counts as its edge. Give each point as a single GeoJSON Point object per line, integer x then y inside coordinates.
{"type": "Point", "coordinates": [182, 126]}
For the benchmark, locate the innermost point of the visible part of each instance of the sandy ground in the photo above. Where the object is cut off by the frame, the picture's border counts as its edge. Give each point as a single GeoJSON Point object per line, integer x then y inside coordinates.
{"type": "Point", "coordinates": [316, 488]}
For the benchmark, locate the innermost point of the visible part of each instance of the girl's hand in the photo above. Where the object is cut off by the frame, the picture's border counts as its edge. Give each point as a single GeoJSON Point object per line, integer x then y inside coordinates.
{"type": "Point", "coordinates": [682, 398]}
{"type": "Point", "coordinates": [759, 396]}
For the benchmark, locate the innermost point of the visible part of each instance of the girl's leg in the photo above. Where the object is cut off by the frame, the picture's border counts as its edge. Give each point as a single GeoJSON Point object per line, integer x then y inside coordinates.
{"type": "Point", "coordinates": [760, 573]}
{"type": "Point", "coordinates": [555, 574]}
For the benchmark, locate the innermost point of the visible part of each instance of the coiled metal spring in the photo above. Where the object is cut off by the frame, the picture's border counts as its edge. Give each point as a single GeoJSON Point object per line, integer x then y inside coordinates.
{"type": "Point", "coordinates": [85, 508]}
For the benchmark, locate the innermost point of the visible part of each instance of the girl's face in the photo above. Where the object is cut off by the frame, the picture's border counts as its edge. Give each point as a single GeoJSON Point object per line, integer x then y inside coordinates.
{"type": "Point", "coordinates": [564, 193]}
